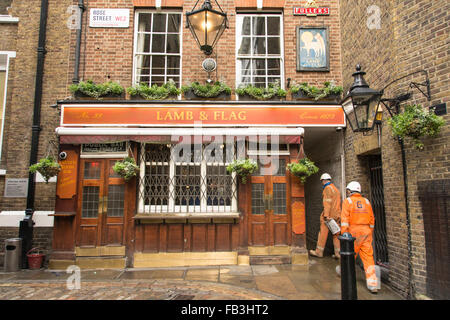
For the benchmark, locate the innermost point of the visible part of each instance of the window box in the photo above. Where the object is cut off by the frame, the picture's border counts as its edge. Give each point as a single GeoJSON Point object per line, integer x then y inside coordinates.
{"type": "Point", "coordinates": [301, 96]}
{"type": "Point", "coordinates": [81, 96]}
{"type": "Point", "coordinates": [190, 95]}
{"type": "Point", "coordinates": [88, 90]}
{"type": "Point", "coordinates": [215, 91]}
{"type": "Point", "coordinates": [247, 97]}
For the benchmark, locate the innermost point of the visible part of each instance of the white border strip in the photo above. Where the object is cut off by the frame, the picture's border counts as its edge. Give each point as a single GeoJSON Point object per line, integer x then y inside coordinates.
{"type": "Point", "coordinates": [180, 131]}
{"type": "Point", "coordinates": [8, 19]}
{"type": "Point", "coordinates": [13, 218]}
{"type": "Point", "coordinates": [10, 54]}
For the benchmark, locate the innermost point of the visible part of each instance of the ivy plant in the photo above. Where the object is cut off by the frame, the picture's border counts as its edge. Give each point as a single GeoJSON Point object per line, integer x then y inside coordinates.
{"type": "Point", "coordinates": [303, 169]}
{"type": "Point", "coordinates": [91, 89]}
{"type": "Point", "coordinates": [47, 167]}
{"type": "Point", "coordinates": [329, 88]}
{"type": "Point", "coordinates": [243, 168]}
{"type": "Point", "coordinates": [154, 92]}
{"type": "Point", "coordinates": [126, 168]}
{"type": "Point", "coordinates": [416, 122]}
{"type": "Point", "coordinates": [262, 93]}
{"type": "Point", "coordinates": [207, 90]}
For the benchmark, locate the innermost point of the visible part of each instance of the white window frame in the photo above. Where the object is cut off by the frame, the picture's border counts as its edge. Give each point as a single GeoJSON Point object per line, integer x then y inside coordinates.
{"type": "Point", "coordinates": [9, 55]}
{"type": "Point", "coordinates": [135, 44]}
{"type": "Point", "coordinates": [203, 208]}
{"type": "Point", "coordinates": [239, 18]}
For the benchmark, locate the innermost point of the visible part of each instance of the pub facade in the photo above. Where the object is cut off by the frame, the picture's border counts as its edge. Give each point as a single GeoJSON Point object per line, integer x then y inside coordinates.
{"type": "Point", "coordinates": [183, 207]}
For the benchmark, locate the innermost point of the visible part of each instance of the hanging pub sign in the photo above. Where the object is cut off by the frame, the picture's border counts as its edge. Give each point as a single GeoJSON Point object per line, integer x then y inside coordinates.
{"type": "Point", "coordinates": [311, 10]}
{"type": "Point", "coordinates": [109, 18]}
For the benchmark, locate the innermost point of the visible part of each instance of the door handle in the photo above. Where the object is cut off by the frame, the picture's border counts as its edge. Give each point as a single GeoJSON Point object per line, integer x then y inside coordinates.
{"type": "Point", "coordinates": [268, 202]}
{"type": "Point", "coordinates": [105, 204]}
{"type": "Point", "coordinates": [100, 205]}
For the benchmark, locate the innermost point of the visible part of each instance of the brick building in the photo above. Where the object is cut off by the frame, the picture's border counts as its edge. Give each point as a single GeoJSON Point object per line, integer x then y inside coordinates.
{"type": "Point", "coordinates": [167, 215]}
{"type": "Point", "coordinates": [392, 39]}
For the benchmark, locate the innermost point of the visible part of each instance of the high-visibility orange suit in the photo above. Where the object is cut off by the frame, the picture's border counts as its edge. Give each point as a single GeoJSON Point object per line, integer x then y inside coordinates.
{"type": "Point", "coordinates": [331, 209]}
{"type": "Point", "coordinates": [358, 219]}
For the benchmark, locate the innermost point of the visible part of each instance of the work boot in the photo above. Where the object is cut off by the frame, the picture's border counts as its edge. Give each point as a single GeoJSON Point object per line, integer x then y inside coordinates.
{"type": "Point", "coordinates": [316, 253]}
{"type": "Point", "coordinates": [373, 291]}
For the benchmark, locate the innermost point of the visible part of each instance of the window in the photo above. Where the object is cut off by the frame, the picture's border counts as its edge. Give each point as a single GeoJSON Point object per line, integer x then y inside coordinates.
{"type": "Point", "coordinates": [157, 48]}
{"type": "Point", "coordinates": [259, 49]}
{"type": "Point", "coordinates": [186, 179]}
{"type": "Point", "coordinates": [4, 66]}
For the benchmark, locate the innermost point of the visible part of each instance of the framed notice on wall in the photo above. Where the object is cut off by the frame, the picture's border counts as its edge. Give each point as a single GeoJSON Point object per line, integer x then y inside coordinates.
{"type": "Point", "coordinates": [313, 52]}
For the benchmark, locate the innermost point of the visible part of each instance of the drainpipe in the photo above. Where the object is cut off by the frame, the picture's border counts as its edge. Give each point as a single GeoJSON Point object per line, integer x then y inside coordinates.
{"type": "Point", "coordinates": [26, 225]}
{"type": "Point", "coordinates": [411, 294]}
{"type": "Point", "coordinates": [76, 77]}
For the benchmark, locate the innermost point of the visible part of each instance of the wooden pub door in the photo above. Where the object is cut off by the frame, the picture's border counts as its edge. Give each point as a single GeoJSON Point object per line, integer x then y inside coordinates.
{"type": "Point", "coordinates": [269, 223]}
{"type": "Point", "coordinates": [101, 205]}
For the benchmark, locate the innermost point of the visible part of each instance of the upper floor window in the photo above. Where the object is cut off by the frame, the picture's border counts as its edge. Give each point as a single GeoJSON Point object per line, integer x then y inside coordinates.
{"type": "Point", "coordinates": [259, 49]}
{"type": "Point", "coordinates": [157, 47]}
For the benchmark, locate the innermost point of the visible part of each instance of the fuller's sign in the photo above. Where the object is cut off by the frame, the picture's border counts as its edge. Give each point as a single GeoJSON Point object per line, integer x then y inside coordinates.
{"type": "Point", "coordinates": [311, 12]}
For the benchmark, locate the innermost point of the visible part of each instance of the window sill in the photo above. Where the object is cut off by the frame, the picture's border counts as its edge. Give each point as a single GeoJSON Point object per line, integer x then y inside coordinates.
{"type": "Point", "coordinates": [218, 217]}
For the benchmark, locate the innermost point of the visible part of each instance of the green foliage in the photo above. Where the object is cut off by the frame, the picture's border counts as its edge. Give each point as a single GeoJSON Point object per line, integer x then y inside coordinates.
{"type": "Point", "coordinates": [90, 89]}
{"type": "Point", "coordinates": [207, 90]}
{"type": "Point", "coordinates": [303, 169]}
{"type": "Point", "coordinates": [155, 92]}
{"type": "Point", "coordinates": [243, 168]}
{"type": "Point", "coordinates": [126, 168]}
{"type": "Point", "coordinates": [416, 122]}
{"type": "Point", "coordinates": [329, 88]}
{"type": "Point", "coordinates": [47, 167]}
{"type": "Point", "coordinates": [274, 89]}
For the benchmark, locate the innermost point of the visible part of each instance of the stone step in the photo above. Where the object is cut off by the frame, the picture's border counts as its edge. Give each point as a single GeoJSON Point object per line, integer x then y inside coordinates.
{"type": "Point", "coordinates": [101, 262]}
{"type": "Point", "coordinates": [265, 259]}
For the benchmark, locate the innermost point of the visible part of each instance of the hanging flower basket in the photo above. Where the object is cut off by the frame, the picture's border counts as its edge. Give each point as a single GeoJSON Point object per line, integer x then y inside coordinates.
{"type": "Point", "coordinates": [243, 168]}
{"type": "Point", "coordinates": [303, 169]}
{"type": "Point", "coordinates": [416, 122]}
{"type": "Point", "coordinates": [126, 168]}
{"type": "Point", "coordinates": [47, 167]}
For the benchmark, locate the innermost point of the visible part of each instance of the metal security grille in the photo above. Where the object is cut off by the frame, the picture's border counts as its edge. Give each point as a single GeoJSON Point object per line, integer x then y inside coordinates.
{"type": "Point", "coordinates": [186, 179]}
{"type": "Point", "coordinates": [377, 201]}
{"type": "Point", "coordinates": [90, 202]}
{"type": "Point", "coordinates": [435, 198]}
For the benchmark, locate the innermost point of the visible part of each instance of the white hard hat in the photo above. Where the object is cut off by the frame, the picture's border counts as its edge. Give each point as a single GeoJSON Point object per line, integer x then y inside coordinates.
{"type": "Point", "coordinates": [325, 176]}
{"type": "Point", "coordinates": [354, 186]}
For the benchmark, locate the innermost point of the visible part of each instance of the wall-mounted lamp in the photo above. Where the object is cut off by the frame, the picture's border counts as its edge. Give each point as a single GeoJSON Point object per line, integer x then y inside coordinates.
{"type": "Point", "coordinates": [363, 105]}
{"type": "Point", "coordinates": [206, 25]}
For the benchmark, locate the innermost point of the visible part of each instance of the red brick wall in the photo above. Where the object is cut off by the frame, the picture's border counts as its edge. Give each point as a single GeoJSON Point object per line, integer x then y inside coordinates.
{"type": "Point", "coordinates": [107, 53]}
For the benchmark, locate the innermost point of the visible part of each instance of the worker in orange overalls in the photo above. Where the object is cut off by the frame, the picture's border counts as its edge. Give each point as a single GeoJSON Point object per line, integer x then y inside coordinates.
{"type": "Point", "coordinates": [331, 210]}
{"type": "Point", "coordinates": [358, 219]}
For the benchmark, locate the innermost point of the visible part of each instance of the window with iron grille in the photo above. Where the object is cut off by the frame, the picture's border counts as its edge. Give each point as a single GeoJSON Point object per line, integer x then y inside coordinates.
{"type": "Point", "coordinates": [186, 179]}
{"type": "Point", "coordinates": [157, 47]}
{"type": "Point", "coordinates": [259, 49]}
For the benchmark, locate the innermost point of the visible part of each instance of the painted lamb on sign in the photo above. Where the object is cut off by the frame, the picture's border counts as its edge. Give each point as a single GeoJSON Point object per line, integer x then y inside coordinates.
{"type": "Point", "coordinates": [314, 43]}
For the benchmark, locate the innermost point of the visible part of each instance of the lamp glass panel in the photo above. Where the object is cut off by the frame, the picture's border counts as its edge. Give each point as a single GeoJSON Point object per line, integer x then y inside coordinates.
{"type": "Point", "coordinates": [373, 107]}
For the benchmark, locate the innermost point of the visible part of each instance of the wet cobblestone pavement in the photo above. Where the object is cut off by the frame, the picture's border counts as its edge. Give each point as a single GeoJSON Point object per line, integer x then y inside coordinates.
{"type": "Point", "coordinates": [317, 281]}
